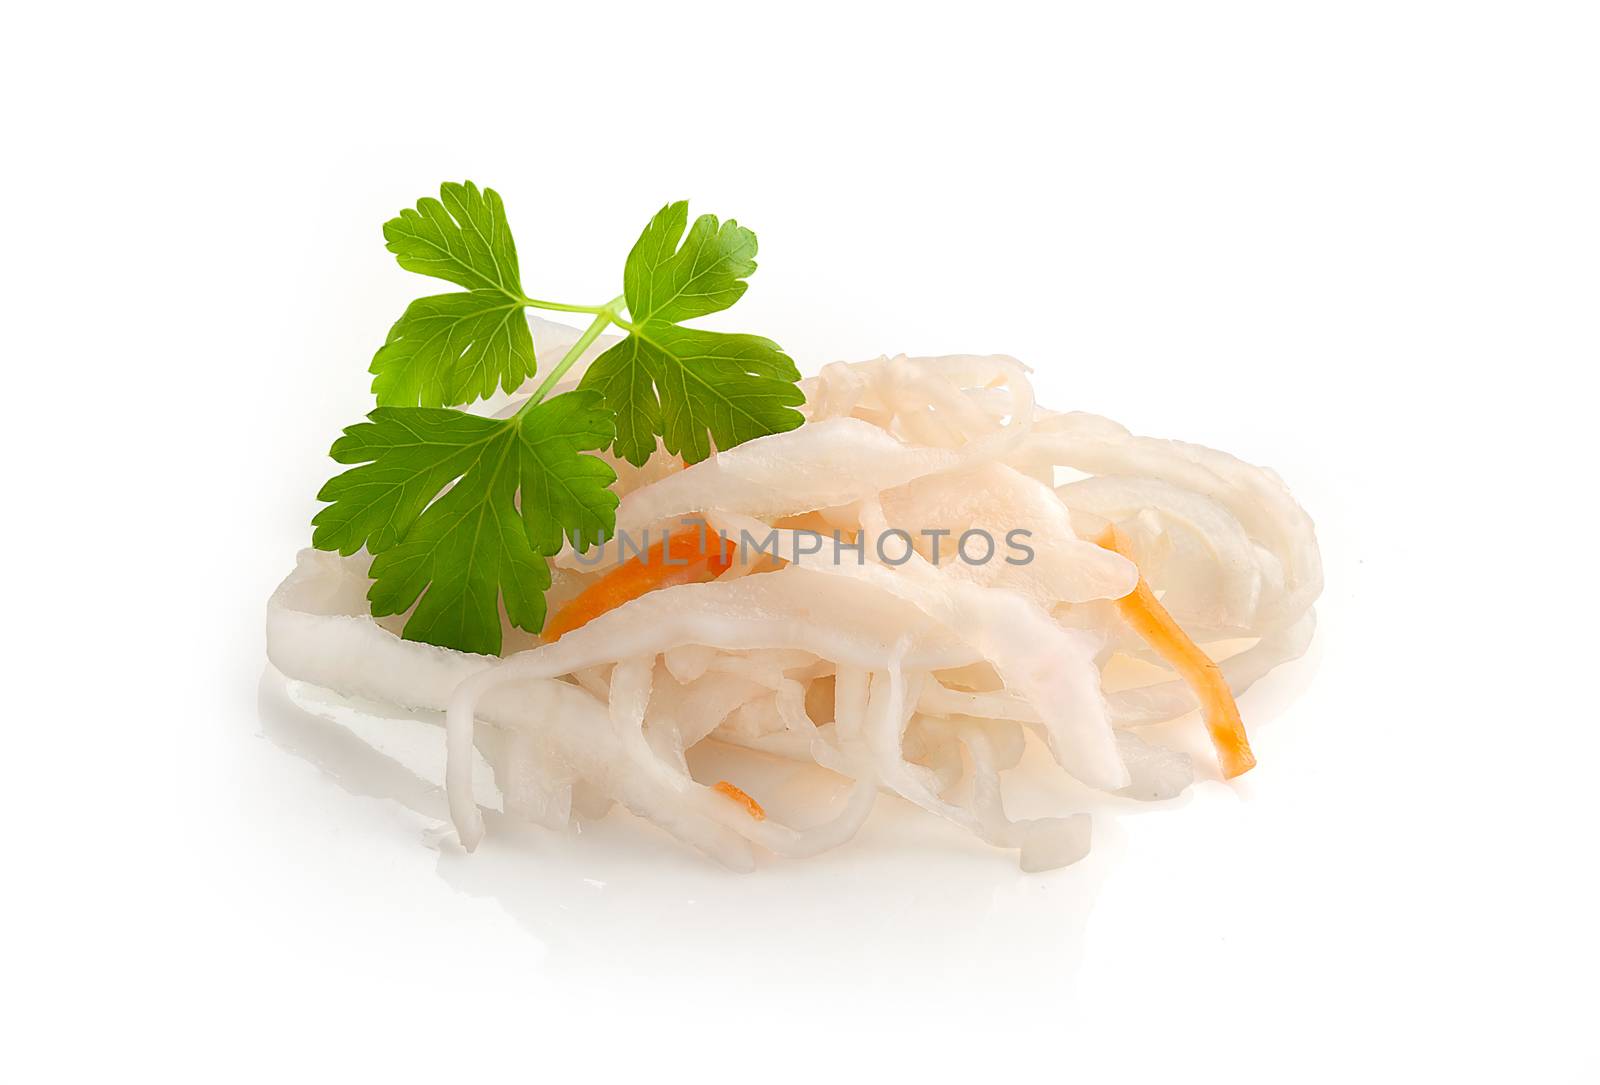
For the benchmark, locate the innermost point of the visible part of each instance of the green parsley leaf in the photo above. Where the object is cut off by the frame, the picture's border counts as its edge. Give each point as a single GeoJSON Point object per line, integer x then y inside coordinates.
{"type": "Point", "coordinates": [410, 454]}
{"type": "Point", "coordinates": [520, 487]}
{"type": "Point", "coordinates": [681, 382]}
{"type": "Point", "coordinates": [455, 348]}
{"type": "Point", "coordinates": [705, 275]}
{"type": "Point", "coordinates": [686, 385]}
{"type": "Point", "coordinates": [463, 237]}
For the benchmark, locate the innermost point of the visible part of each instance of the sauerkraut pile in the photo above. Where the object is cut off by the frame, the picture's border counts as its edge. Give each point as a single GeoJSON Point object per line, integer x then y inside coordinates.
{"type": "Point", "coordinates": [906, 675]}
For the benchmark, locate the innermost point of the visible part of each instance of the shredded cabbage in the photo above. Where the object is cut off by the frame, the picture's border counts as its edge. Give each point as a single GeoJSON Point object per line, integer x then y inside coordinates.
{"type": "Point", "coordinates": [920, 678]}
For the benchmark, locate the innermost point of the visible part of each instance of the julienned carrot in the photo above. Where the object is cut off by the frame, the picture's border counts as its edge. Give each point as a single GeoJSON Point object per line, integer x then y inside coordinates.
{"type": "Point", "coordinates": [684, 557]}
{"type": "Point", "coordinates": [737, 794]}
{"type": "Point", "coordinates": [1141, 610]}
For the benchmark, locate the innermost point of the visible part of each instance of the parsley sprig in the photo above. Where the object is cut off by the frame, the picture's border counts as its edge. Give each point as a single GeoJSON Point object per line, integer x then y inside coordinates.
{"type": "Point", "coordinates": [461, 512]}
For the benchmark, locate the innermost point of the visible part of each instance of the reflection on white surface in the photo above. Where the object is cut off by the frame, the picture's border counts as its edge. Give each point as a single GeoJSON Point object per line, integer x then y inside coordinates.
{"type": "Point", "coordinates": [910, 898]}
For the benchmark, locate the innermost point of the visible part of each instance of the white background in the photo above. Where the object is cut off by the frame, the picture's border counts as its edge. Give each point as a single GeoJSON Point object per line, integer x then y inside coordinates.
{"type": "Point", "coordinates": [1356, 241]}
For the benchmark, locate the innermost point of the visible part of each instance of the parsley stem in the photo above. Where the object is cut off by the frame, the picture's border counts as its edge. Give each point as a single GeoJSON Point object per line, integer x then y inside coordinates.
{"type": "Point", "coordinates": [561, 307]}
{"type": "Point", "coordinates": [607, 314]}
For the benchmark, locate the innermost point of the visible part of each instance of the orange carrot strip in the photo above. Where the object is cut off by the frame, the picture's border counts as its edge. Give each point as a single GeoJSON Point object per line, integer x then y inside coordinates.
{"type": "Point", "coordinates": [750, 805]}
{"type": "Point", "coordinates": [684, 557]}
{"type": "Point", "coordinates": [1141, 610]}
